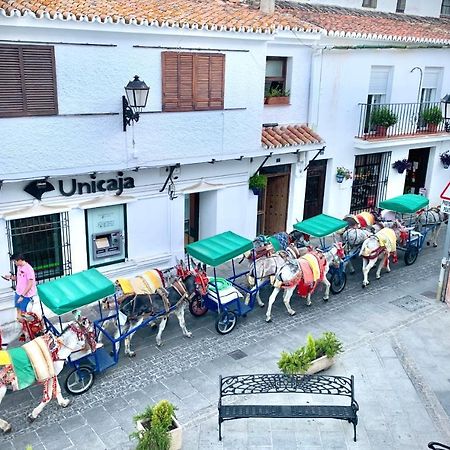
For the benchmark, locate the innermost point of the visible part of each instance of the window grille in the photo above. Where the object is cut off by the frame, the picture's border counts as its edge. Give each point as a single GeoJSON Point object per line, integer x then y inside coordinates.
{"type": "Point", "coordinates": [45, 243]}
{"type": "Point", "coordinates": [369, 181]}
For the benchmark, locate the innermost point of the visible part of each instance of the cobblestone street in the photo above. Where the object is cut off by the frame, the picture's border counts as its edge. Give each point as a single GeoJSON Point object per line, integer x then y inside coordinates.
{"type": "Point", "coordinates": [396, 345]}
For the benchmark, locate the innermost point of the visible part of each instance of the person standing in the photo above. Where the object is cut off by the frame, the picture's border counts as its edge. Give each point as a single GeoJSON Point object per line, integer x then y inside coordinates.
{"type": "Point", "coordinates": [25, 284]}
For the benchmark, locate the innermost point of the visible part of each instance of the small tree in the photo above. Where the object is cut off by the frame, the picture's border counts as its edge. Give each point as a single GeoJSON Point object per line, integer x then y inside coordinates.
{"type": "Point", "coordinates": [383, 117]}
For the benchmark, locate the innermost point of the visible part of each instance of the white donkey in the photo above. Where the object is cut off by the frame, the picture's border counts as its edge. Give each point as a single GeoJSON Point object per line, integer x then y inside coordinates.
{"type": "Point", "coordinates": [77, 336]}
{"type": "Point", "coordinates": [352, 238]}
{"type": "Point", "coordinates": [290, 276]}
{"type": "Point", "coordinates": [378, 247]}
{"type": "Point", "coordinates": [433, 217]}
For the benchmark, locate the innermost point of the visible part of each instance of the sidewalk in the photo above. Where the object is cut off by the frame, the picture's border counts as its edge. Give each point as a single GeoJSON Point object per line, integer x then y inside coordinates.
{"type": "Point", "coordinates": [396, 345]}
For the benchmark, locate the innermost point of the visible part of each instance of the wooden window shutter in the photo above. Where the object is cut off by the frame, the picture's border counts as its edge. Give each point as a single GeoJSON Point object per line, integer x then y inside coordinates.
{"type": "Point", "coordinates": [177, 79]}
{"type": "Point", "coordinates": [209, 81]}
{"type": "Point", "coordinates": [27, 81]}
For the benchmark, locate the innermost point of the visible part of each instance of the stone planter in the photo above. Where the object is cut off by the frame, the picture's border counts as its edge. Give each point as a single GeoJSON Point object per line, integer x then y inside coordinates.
{"type": "Point", "coordinates": [176, 433]}
{"type": "Point", "coordinates": [320, 364]}
{"type": "Point", "coordinates": [276, 100]}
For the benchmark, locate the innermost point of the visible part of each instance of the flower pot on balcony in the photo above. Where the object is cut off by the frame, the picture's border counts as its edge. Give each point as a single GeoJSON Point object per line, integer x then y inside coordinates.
{"type": "Point", "coordinates": [276, 100]}
{"type": "Point", "coordinates": [381, 131]}
{"type": "Point", "coordinates": [432, 127]}
{"type": "Point", "coordinates": [339, 178]}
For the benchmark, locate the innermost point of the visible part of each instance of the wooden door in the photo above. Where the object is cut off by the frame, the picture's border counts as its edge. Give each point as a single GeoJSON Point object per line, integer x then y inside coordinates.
{"type": "Point", "coordinates": [276, 203]}
{"type": "Point", "coordinates": [416, 176]}
{"type": "Point", "coordinates": [315, 185]}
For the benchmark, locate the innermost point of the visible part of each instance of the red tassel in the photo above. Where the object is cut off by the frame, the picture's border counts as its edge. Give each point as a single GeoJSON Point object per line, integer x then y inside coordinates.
{"type": "Point", "coordinates": [395, 258]}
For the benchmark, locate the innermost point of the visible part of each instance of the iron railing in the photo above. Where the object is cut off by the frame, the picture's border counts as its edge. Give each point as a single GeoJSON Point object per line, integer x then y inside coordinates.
{"type": "Point", "coordinates": [409, 117]}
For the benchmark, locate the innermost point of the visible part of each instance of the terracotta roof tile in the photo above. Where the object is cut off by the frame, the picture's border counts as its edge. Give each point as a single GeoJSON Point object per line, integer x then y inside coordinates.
{"type": "Point", "coordinates": [288, 135]}
{"type": "Point", "coordinates": [241, 15]}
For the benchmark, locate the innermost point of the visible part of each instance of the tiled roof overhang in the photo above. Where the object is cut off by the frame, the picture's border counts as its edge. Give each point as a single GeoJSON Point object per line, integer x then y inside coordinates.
{"type": "Point", "coordinates": [288, 136]}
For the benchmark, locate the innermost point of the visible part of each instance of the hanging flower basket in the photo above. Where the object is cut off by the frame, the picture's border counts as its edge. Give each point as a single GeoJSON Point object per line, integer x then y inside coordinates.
{"type": "Point", "coordinates": [343, 174]}
{"type": "Point", "coordinates": [445, 159]}
{"type": "Point", "coordinates": [401, 165]}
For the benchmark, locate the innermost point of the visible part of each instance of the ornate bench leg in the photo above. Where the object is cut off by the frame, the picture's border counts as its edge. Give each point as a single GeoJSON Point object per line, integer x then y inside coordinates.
{"type": "Point", "coordinates": [354, 430]}
{"type": "Point", "coordinates": [220, 428]}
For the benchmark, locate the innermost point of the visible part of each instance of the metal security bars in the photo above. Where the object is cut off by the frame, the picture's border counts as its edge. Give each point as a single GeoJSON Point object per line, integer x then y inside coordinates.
{"type": "Point", "coordinates": [369, 181]}
{"type": "Point", "coordinates": [45, 243]}
{"type": "Point", "coordinates": [410, 120]}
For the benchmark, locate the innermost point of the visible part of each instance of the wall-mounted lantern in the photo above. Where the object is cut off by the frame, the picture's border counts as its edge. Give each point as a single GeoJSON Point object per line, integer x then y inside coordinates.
{"type": "Point", "coordinates": [136, 98]}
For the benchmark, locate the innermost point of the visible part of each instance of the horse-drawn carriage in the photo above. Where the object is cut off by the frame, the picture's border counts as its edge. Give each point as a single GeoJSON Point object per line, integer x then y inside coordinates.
{"type": "Point", "coordinates": [225, 296]}
{"type": "Point", "coordinates": [321, 227]}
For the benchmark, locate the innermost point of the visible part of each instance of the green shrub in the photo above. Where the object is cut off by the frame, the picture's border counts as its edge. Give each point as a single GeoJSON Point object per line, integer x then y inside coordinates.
{"type": "Point", "coordinates": [277, 92]}
{"type": "Point", "coordinates": [432, 114]}
{"type": "Point", "coordinates": [382, 116]}
{"type": "Point", "coordinates": [300, 360]}
{"type": "Point", "coordinates": [157, 421]}
{"type": "Point", "coordinates": [257, 181]}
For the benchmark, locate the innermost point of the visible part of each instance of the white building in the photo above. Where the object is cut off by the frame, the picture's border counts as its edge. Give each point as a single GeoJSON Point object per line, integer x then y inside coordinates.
{"type": "Point", "coordinates": [78, 191]}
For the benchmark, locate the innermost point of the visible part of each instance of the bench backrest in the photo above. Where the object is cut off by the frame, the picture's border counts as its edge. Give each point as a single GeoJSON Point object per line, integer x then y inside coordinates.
{"type": "Point", "coordinates": [279, 383]}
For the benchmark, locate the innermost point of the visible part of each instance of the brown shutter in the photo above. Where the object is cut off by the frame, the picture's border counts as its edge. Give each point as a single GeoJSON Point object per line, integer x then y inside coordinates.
{"type": "Point", "coordinates": [27, 81]}
{"type": "Point", "coordinates": [39, 80]}
{"type": "Point", "coordinates": [216, 81]}
{"type": "Point", "coordinates": [11, 93]}
{"type": "Point", "coordinates": [177, 80]}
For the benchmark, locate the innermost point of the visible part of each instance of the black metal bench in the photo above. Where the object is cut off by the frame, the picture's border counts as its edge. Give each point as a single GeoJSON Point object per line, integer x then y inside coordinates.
{"type": "Point", "coordinates": [289, 384]}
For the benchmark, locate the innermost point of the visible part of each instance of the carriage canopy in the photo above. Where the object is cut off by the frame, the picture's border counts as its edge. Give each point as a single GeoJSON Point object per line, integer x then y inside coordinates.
{"type": "Point", "coordinates": [220, 248]}
{"type": "Point", "coordinates": [321, 225]}
{"type": "Point", "coordinates": [74, 291]}
{"type": "Point", "coordinates": [405, 204]}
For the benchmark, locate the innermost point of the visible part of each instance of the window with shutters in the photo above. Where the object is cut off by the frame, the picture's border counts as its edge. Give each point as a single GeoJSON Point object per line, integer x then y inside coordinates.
{"type": "Point", "coordinates": [27, 81]}
{"type": "Point", "coordinates": [192, 81]}
{"type": "Point", "coordinates": [401, 5]}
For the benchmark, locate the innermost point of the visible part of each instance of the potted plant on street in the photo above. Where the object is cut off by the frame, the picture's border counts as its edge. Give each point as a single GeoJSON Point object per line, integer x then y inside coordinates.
{"type": "Point", "coordinates": [277, 96]}
{"type": "Point", "coordinates": [257, 182]}
{"type": "Point", "coordinates": [343, 174]}
{"type": "Point", "coordinates": [445, 159]}
{"type": "Point", "coordinates": [157, 428]}
{"type": "Point", "coordinates": [401, 165]}
{"type": "Point", "coordinates": [432, 116]}
{"type": "Point", "coordinates": [317, 355]}
{"type": "Point", "coordinates": [382, 117]}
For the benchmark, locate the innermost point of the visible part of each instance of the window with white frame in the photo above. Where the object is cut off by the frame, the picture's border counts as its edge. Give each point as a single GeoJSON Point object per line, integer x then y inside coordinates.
{"type": "Point", "coordinates": [445, 8]}
{"type": "Point", "coordinates": [369, 3]}
{"type": "Point", "coordinates": [379, 83]}
{"type": "Point", "coordinates": [401, 5]}
{"type": "Point", "coordinates": [431, 81]}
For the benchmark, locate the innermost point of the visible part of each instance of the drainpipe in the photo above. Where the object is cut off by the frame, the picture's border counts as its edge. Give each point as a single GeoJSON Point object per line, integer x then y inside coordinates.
{"type": "Point", "coordinates": [267, 6]}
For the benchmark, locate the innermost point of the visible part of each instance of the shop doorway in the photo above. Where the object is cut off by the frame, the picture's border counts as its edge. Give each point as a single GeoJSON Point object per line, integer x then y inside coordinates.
{"type": "Point", "coordinates": [416, 176]}
{"type": "Point", "coordinates": [191, 217]}
{"type": "Point", "coordinates": [273, 200]}
{"type": "Point", "coordinates": [315, 186]}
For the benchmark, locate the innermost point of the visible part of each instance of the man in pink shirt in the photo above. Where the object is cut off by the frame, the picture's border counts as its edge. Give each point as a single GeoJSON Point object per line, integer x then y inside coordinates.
{"type": "Point", "coordinates": [25, 284]}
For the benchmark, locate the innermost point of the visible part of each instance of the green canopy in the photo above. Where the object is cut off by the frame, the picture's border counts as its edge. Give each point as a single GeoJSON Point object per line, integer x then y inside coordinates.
{"type": "Point", "coordinates": [220, 248]}
{"type": "Point", "coordinates": [321, 225]}
{"type": "Point", "coordinates": [405, 204]}
{"type": "Point", "coordinates": [73, 291]}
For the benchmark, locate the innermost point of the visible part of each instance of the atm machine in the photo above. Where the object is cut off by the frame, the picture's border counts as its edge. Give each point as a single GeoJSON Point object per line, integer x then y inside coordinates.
{"type": "Point", "coordinates": [106, 244]}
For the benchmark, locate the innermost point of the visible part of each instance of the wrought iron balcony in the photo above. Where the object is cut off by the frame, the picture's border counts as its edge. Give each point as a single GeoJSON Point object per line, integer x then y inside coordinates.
{"type": "Point", "coordinates": [406, 119]}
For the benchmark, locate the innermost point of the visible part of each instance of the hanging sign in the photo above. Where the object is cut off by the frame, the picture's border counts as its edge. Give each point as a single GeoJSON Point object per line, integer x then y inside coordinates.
{"type": "Point", "coordinates": [445, 206]}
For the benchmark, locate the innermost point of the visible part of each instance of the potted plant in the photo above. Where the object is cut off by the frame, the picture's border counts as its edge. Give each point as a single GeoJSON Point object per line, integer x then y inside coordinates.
{"type": "Point", "coordinates": [317, 355]}
{"type": "Point", "coordinates": [401, 165]}
{"type": "Point", "coordinates": [432, 116]}
{"type": "Point", "coordinates": [257, 182]}
{"type": "Point", "coordinates": [157, 428]}
{"type": "Point", "coordinates": [445, 159]}
{"type": "Point", "coordinates": [343, 174]}
{"type": "Point", "coordinates": [277, 96]}
{"type": "Point", "coordinates": [382, 117]}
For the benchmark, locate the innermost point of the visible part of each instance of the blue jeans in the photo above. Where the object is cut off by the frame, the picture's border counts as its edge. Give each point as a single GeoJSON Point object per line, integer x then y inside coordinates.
{"type": "Point", "coordinates": [23, 304]}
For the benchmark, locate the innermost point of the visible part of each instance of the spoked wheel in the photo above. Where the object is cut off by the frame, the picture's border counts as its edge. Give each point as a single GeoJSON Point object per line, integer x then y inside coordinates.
{"type": "Point", "coordinates": [197, 307]}
{"type": "Point", "coordinates": [411, 255]}
{"type": "Point", "coordinates": [338, 282]}
{"type": "Point", "coordinates": [80, 380]}
{"type": "Point", "coordinates": [226, 322]}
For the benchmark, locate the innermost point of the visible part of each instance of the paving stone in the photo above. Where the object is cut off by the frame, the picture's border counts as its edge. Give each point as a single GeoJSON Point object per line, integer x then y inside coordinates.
{"type": "Point", "coordinates": [100, 420]}
{"type": "Point", "coordinates": [85, 438]}
{"type": "Point", "coordinates": [54, 437]}
{"type": "Point", "coordinates": [20, 441]}
{"type": "Point", "coordinates": [72, 423]}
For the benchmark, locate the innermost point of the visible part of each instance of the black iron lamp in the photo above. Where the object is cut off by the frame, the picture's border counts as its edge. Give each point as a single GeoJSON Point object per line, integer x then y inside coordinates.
{"type": "Point", "coordinates": [446, 102]}
{"type": "Point", "coordinates": [136, 98]}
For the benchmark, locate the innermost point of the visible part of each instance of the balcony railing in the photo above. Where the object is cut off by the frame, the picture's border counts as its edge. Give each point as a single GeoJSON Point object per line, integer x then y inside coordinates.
{"type": "Point", "coordinates": [409, 117]}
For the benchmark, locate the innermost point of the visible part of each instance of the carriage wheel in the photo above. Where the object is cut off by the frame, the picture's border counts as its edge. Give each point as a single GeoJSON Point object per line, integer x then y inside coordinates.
{"type": "Point", "coordinates": [79, 380]}
{"type": "Point", "coordinates": [411, 255]}
{"type": "Point", "coordinates": [226, 322]}
{"type": "Point", "coordinates": [197, 307]}
{"type": "Point", "coordinates": [338, 282]}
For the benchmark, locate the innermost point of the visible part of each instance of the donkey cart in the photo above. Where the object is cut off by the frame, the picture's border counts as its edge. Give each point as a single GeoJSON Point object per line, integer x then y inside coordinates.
{"type": "Point", "coordinates": [321, 227]}
{"type": "Point", "coordinates": [224, 296]}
